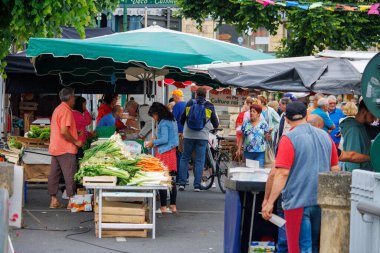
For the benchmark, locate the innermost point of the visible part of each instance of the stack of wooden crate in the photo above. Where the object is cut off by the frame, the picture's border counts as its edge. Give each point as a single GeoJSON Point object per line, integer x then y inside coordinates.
{"type": "Point", "coordinates": [122, 212]}
{"type": "Point", "coordinates": [27, 112]}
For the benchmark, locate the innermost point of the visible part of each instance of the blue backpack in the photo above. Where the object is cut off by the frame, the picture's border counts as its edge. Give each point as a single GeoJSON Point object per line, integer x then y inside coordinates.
{"type": "Point", "coordinates": [196, 118]}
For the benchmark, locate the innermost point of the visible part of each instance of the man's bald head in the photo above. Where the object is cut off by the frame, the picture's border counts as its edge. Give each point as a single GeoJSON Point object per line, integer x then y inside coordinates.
{"type": "Point", "coordinates": [315, 121]}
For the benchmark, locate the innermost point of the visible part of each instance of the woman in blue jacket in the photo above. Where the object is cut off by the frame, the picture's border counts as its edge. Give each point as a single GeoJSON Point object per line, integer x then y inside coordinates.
{"type": "Point", "coordinates": [165, 143]}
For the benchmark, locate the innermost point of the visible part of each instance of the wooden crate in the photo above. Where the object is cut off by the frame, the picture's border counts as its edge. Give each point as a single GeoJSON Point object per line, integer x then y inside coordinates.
{"type": "Point", "coordinates": [142, 233]}
{"type": "Point", "coordinates": [28, 106]}
{"type": "Point", "coordinates": [121, 212]}
{"type": "Point", "coordinates": [13, 156]}
{"type": "Point", "coordinates": [110, 218]}
{"type": "Point", "coordinates": [121, 208]}
{"type": "Point", "coordinates": [100, 181]}
{"type": "Point", "coordinates": [32, 142]}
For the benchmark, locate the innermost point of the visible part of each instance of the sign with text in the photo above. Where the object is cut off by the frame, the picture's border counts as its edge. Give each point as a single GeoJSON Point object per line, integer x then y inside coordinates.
{"type": "Point", "coordinates": [151, 2]}
{"type": "Point", "coordinates": [225, 97]}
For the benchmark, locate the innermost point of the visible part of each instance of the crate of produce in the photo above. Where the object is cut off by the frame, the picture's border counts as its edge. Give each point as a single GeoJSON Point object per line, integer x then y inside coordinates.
{"type": "Point", "coordinates": [12, 156]}
{"type": "Point", "coordinates": [32, 142]}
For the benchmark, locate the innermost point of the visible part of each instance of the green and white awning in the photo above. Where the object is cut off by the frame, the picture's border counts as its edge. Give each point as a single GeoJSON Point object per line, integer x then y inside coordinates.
{"type": "Point", "coordinates": [153, 48]}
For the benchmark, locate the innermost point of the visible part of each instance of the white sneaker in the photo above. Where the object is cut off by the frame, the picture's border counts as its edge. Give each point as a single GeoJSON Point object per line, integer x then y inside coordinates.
{"type": "Point", "coordinates": [204, 184]}
{"type": "Point", "coordinates": [213, 185]}
{"type": "Point", "coordinates": [64, 195]}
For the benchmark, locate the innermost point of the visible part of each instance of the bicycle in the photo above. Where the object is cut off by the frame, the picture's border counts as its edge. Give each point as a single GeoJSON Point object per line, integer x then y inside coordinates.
{"type": "Point", "coordinates": [217, 162]}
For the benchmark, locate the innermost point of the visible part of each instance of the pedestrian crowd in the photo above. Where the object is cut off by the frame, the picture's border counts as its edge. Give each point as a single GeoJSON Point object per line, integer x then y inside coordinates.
{"type": "Point", "coordinates": [295, 141]}
{"type": "Point", "coordinates": [327, 136]}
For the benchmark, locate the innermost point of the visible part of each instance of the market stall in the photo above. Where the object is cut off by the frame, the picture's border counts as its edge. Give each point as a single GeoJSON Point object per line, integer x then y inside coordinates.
{"type": "Point", "coordinates": [125, 185]}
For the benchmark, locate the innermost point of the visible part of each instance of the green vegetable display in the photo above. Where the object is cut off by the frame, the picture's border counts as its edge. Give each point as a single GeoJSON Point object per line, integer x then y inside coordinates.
{"type": "Point", "coordinates": [39, 133]}
{"type": "Point", "coordinates": [13, 143]}
{"type": "Point", "coordinates": [123, 176]}
{"type": "Point", "coordinates": [111, 158]}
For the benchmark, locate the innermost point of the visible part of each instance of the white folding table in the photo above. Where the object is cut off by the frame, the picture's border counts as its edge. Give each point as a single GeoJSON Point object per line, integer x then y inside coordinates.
{"type": "Point", "coordinates": [148, 192]}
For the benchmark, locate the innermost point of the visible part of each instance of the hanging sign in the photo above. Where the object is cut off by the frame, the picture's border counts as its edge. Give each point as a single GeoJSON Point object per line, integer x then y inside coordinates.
{"type": "Point", "coordinates": [150, 2]}
{"type": "Point", "coordinates": [225, 97]}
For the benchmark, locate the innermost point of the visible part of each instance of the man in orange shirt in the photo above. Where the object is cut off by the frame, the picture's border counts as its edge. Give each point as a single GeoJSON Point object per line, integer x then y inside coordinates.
{"type": "Point", "coordinates": [63, 147]}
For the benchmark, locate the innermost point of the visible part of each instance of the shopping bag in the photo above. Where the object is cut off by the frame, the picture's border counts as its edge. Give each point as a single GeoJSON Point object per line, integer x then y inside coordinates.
{"type": "Point", "coordinates": [269, 155]}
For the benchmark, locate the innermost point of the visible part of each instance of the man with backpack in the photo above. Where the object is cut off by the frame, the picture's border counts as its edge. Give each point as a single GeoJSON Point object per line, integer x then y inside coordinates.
{"type": "Point", "coordinates": [196, 119]}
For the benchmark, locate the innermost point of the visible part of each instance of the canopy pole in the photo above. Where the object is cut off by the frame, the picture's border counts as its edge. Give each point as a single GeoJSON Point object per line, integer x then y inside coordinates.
{"type": "Point", "coordinates": [125, 16]}
{"type": "Point", "coordinates": [145, 94]}
{"type": "Point", "coordinates": [146, 17]}
{"type": "Point", "coordinates": [154, 99]}
{"type": "Point", "coordinates": [163, 92]}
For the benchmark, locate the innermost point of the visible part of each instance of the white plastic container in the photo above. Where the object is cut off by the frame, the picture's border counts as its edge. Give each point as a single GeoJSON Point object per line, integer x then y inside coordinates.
{"type": "Point", "coordinates": [252, 164]}
{"type": "Point", "coordinates": [249, 174]}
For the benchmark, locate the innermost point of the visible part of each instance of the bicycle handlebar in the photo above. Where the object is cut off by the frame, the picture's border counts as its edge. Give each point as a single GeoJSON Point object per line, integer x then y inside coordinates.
{"type": "Point", "coordinates": [214, 131]}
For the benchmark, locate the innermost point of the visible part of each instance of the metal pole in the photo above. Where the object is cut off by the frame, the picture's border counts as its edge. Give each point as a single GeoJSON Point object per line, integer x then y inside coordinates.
{"type": "Point", "coordinates": [146, 17]}
{"type": "Point", "coordinates": [154, 100]}
{"type": "Point", "coordinates": [98, 18]}
{"type": "Point", "coordinates": [252, 218]}
{"type": "Point", "coordinates": [100, 207]}
{"type": "Point", "coordinates": [125, 16]}
{"type": "Point", "coordinates": [145, 84]}
{"type": "Point", "coordinates": [168, 15]}
{"type": "Point", "coordinates": [154, 215]}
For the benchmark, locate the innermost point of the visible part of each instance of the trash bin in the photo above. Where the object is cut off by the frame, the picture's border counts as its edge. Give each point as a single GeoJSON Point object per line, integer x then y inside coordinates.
{"type": "Point", "coordinates": [232, 220]}
{"type": "Point", "coordinates": [242, 221]}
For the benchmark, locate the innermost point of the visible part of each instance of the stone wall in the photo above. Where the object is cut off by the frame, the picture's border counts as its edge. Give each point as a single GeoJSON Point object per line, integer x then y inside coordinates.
{"type": "Point", "coordinates": [190, 26]}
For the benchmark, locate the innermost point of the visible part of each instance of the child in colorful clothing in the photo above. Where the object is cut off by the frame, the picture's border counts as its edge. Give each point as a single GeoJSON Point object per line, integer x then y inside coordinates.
{"type": "Point", "coordinates": [165, 144]}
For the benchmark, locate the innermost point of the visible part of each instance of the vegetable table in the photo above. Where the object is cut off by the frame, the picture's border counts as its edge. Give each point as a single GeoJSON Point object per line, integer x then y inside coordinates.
{"type": "Point", "coordinates": [147, 192]}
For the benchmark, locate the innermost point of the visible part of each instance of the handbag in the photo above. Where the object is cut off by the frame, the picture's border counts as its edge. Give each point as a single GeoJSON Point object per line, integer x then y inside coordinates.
{"type": "Point", "coordinates": [269, 155]}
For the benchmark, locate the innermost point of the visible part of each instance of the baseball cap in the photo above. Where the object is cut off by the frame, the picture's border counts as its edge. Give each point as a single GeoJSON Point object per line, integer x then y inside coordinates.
{"type": "Point", "coordinates": [290, 96]}
{"type": "Point", "coordinates": [177, 93]}
{"type": "Point", "coordinates": [295, 111]}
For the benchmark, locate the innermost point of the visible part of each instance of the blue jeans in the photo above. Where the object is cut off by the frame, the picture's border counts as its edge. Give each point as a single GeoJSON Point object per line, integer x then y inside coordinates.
{"type": "Point", "coordinates": [258, 156]}
{"type": "Point", "coordinates": [200, 156]}
{"type": "Point", "coordinates": [179, 156]}
{"type": "Point", "coordinates": [282, 242]}
{"type": "Point", "coordinates": [310, 229]}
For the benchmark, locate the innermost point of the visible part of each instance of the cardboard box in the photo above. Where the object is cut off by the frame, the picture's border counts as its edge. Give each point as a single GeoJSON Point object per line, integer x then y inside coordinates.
{"type": "Point", "coordinates": [81, 191]}
{"type": "Point", "coordinates": [81, 203]}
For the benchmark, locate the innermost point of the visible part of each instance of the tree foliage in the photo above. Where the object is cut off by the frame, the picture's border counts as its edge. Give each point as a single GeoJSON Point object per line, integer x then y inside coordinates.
{"type": "Point", "coordinates": [22, 19]}
{"type": "Point", "coordinates": [238, 13]}
{"type": "Point", "coordinates": [311, 31]}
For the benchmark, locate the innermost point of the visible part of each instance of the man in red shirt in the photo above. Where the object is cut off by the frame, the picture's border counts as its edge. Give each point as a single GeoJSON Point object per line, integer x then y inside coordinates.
{"type": "Point", "coordinates": [63, 147]}
{"type": "Point", "coordinates": [303, 153]}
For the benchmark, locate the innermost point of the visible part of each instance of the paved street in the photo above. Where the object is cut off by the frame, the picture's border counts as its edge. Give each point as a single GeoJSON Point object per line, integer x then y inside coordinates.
{"type": "Point", "coordinates": [197, 228]}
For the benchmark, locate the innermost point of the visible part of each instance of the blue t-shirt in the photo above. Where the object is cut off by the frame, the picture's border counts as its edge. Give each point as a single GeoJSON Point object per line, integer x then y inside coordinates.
{"type": "Point", "coordinates": [335, 116]}
{"type": "Point", "coordinates": [107, 120]}
{"type": "Point", "coordinates": [178, 110]}
{"type": "Point", "coordinates": [328, 123]}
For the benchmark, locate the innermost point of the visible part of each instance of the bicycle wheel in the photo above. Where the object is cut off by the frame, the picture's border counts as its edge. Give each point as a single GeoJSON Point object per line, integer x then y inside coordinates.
{"type": "Point", "coordinates": [222, 166]}
{"type": "Point", "coordinates": [208, 174]}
